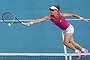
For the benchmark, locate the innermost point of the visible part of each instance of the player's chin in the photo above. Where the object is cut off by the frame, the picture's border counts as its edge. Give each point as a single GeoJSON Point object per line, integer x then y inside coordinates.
{"type": "Point", "coordinates": [52, 14]}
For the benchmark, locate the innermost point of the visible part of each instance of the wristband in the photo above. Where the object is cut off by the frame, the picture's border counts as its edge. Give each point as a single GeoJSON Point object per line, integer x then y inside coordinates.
{"type": "Point", "coordinates": [81, 18]}
{"type": "Point", "coordinates": [31, 22]}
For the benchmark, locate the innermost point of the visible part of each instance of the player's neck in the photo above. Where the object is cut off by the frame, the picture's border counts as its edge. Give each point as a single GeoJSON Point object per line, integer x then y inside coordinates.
{"type": "Point", "coordinates": [56, 15]}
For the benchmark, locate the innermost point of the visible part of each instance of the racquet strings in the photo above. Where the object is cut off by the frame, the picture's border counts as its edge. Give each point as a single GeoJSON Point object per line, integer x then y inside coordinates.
{"type": "Point", "coordinates": [8, 18]}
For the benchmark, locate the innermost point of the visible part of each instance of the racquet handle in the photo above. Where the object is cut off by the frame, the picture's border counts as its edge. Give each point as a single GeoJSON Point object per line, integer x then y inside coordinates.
{"type": "Point", "coordinates": [24, 23]}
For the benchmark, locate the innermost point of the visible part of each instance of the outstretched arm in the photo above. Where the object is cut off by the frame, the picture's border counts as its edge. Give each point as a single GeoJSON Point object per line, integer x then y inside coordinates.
{"type": "Point", "coordinates": [74, 15]}
{"type": "Point", "coordinates": [38, 20]}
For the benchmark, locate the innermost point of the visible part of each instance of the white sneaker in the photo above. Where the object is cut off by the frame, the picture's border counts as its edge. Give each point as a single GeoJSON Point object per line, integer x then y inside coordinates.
{"type": "Point", "coordinates": [85, 51]}
{"type": "Point", "coordinates": [78, 54]}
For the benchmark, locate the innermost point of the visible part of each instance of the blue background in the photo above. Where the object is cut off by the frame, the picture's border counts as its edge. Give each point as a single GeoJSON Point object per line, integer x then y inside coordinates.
{"type": "Point", "coordinates": [43, 37]}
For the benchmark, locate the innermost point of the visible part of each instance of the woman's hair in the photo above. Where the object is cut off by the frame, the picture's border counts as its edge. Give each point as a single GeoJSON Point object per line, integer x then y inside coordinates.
{"type": "Point", "coordinates": [57, 6]}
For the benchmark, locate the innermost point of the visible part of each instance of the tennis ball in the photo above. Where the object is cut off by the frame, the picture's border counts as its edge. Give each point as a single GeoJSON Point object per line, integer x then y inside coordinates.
{"type": "Point", "coordinates": [9, 24]}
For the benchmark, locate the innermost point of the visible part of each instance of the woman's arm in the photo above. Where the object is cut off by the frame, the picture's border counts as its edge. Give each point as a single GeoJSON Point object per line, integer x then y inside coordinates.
{"type": "Point", "coordinates": [38, 20]}
{"type": "Point", "coordinates": [73, 15]}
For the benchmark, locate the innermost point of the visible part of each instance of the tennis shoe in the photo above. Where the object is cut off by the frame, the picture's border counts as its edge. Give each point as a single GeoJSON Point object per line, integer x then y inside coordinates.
{"type": "Point", "coordinates": [78, 54]}
{"type": "Point", "coordinates": [85, 51]}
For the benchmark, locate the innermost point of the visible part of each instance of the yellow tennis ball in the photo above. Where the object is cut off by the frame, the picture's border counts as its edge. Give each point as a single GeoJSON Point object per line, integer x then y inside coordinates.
{"type": "Point", "coordinates": [9, 24]}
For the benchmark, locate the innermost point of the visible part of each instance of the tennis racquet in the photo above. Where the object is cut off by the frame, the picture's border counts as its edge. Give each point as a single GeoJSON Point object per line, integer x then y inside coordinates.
{"type": "Point", "coordinates": [9, 17]}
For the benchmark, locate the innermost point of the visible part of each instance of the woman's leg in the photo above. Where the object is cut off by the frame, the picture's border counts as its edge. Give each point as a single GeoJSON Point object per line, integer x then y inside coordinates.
{"type": "Point", "coordinates": [70, 43]}
{"type": "Point", "coordinates": [67, 43]}
{"type": "Point", "coordinates": [75, 44]}
{"type": "Point", "coordinates": [78, 47]}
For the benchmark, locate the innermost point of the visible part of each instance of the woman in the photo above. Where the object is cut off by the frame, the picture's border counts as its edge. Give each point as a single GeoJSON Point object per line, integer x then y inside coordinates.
{"type": "Point", "coordinates": [59, 19]}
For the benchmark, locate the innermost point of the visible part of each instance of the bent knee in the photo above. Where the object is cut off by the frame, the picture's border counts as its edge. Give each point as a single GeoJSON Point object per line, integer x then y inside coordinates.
{"type": "Point", "coordinates": [66, 43]}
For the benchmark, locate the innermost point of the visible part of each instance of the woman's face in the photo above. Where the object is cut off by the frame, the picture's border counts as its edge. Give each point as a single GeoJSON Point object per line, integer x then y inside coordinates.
{"type": "Point", "coordinates": [53, 12]}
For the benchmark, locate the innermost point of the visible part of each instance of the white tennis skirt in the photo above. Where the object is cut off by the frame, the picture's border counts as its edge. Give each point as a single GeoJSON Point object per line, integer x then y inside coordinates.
{"type": "Point", "coordinates": [70, 29]}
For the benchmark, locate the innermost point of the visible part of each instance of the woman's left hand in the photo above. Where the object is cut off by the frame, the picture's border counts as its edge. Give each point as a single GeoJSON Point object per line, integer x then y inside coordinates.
{"type": "Point", "coordinates": [84, 20]}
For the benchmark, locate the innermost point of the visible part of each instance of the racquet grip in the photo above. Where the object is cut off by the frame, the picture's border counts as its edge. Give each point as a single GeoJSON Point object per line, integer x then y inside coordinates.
{"type": "Point", "coordinates": [23, 23]}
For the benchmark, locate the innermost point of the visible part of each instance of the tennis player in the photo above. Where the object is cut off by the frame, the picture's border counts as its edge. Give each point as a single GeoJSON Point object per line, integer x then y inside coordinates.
{"type": "Point", "coordinates": [67, 29]}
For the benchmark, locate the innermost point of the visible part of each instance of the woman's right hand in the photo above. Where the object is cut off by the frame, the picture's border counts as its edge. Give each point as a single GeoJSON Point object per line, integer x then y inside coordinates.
{"type": "Point", "coordinates": [28, 24]}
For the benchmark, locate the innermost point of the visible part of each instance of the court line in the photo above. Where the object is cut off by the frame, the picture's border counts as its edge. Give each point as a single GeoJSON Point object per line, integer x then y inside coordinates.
{"type": "Point", "coordinates": [41, 54]}
{"type": "Point", "coordinates": [47, 20]}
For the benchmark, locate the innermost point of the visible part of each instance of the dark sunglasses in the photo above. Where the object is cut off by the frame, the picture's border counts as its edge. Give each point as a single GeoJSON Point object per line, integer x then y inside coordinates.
{"type": "Point", "coordinates": [51, 9]}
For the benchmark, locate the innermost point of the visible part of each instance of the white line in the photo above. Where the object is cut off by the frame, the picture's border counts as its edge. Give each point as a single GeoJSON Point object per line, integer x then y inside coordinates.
{"type": "Point", "coordinates": [75, 19]}
{"type": "Point", "coordinates": [65, 49]}
{"type": "Point", "coordinates": [41, 54]}
{"type": "Point", "coordinates": [47, 20]}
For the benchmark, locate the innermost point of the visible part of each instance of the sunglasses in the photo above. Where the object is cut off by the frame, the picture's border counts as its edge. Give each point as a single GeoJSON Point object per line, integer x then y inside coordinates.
{"type": "Point", "coordinates": [51, 9]}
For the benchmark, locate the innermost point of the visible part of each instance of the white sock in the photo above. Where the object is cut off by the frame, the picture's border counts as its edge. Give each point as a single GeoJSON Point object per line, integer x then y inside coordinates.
{"type": "Point", "coordinates": [76, 50]}
{"type": "Point", "coordinates": [83, 49]}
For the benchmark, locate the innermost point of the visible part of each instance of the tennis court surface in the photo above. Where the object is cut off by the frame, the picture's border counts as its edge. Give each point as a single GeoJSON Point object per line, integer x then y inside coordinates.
{"type": "Point", "coordinates": [44, 37]}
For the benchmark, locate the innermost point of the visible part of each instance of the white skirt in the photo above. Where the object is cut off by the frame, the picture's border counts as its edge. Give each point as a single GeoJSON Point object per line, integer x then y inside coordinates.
{"type": "Point", "coordinates": [70, 29]}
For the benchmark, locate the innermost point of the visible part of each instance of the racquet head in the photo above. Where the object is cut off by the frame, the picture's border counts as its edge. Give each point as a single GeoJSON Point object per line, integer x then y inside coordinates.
{"type": "Point", "coordinates": [9, 17]}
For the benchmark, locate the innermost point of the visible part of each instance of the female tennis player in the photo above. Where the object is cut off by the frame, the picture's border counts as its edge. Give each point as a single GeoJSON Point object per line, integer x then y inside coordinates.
{"type": "Point", "coordinates": [67, 29]}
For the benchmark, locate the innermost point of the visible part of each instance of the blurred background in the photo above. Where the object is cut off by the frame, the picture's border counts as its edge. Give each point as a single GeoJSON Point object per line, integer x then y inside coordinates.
{"type": "Point", "coordinates": [43, 37]}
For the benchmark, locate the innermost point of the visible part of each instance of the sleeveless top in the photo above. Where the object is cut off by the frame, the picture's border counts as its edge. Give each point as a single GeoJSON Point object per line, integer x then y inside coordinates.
{"type": "Point", "coordinates": [61, 22]}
